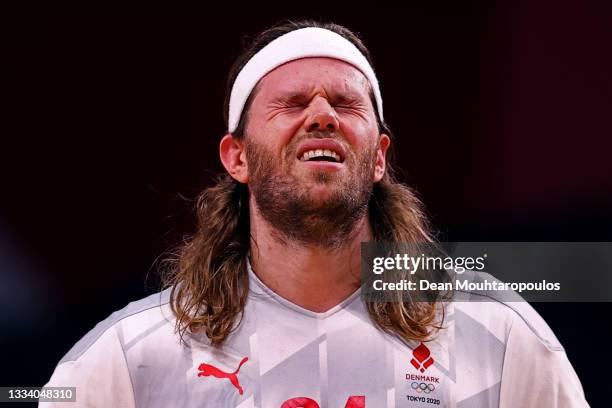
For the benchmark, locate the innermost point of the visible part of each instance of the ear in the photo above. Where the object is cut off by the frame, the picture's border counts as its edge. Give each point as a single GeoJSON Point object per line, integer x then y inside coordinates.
{"type": "Point", "coordinates": [233, 156]}
{"type": "Point", "coordinates": [381, 157]}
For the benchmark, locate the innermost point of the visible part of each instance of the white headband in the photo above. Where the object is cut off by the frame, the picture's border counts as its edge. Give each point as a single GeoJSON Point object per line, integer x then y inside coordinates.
{"type": "Point", "coordinates": [302, 43]}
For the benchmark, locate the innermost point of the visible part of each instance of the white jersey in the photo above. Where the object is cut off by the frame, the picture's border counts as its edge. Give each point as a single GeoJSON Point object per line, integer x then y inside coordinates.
{"type": "Point", "coordinates": [489, 354]}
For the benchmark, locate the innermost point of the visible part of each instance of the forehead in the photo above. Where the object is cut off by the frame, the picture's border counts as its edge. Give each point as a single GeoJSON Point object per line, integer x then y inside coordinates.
{"type": "Point", "coordinates": [310, 74]}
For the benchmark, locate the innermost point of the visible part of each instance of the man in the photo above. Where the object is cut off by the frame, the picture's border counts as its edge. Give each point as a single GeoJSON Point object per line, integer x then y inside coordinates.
{"type": "Point", "coordinates": [262, 307]}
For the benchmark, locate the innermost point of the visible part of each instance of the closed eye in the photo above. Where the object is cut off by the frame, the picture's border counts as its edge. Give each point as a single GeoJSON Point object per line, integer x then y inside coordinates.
{"type": "Point", "coordinates": [352, 108]}
{"type": "Point", "coordinates": [344, 102]}
{"type": "Point", "coordinates": [294, 105]}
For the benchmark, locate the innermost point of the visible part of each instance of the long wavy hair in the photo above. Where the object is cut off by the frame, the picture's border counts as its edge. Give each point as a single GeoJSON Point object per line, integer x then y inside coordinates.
{"type": "Point", "coordinates": [207, 273]}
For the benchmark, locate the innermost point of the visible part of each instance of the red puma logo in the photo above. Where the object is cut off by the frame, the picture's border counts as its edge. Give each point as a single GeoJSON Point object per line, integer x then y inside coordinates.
{"type": "Point", "coordinates": [208, 369]}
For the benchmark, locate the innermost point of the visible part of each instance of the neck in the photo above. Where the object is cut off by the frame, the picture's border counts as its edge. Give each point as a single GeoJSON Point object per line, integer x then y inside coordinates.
{"type": "Point", "coordinates": [311, 277]}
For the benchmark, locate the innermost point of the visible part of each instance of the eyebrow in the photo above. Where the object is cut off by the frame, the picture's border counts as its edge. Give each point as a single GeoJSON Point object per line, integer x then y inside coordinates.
{"type": "Point", "coordinates": [293, 96]}
{"type": "Point", "coordinates": [344, 98]}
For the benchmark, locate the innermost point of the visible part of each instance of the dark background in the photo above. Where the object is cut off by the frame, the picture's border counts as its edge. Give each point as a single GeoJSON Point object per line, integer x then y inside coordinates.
{"type": "Point", "coordinates": [501, 112]}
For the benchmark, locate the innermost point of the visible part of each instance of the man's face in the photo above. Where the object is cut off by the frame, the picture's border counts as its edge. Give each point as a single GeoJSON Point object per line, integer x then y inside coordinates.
{"type": "Point", "coordinates": [300, 110]}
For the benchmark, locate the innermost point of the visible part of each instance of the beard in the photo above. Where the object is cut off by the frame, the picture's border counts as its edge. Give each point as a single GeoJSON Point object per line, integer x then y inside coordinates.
{"type": "Point", "coordinates": [286, 202]}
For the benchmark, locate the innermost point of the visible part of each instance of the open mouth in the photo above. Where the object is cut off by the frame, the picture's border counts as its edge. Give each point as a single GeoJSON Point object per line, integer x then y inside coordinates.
{"type": "Point", "coordinates": [321, 155]}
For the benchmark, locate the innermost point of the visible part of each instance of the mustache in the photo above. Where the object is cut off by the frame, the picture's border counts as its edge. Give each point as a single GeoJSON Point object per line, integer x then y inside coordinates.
{"type": "Point", "coordinates": [318, 134]}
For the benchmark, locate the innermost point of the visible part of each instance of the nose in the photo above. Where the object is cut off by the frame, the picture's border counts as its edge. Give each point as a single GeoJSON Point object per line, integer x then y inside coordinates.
{"type": "Point", "coordinates": [321, 117]}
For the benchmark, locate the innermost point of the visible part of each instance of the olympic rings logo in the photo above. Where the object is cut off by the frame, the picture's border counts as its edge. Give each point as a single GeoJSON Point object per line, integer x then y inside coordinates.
{"type": "Point", "coordinates": [422, 387]}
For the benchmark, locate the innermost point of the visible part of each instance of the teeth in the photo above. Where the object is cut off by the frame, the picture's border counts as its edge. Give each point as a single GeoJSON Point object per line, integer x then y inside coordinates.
{"type": "Point", "coordinates": [320, 153]}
